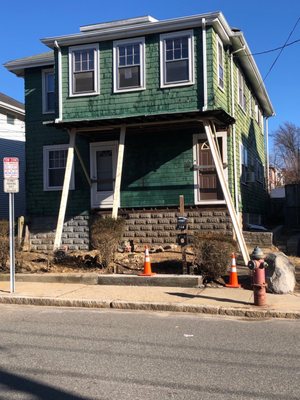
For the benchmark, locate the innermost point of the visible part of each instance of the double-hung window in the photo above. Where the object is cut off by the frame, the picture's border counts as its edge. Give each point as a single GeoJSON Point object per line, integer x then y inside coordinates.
{"type": "Point", "coordinates": [48, 91]}
{"type": "Point", "coordinates": [220, 63]}
{"type": "Point", "coordinates": [129, 65]}
{"type": "Point", "coordinates": [242, 90]}
{"type": "Point", "coordinates": [54, 161]}
{"type": "Point", "coordinates": [84, 70]}
{"type": "Point", "coordinates": [176, 59]}
{"type": "Point", "coordinates": [244, 163]}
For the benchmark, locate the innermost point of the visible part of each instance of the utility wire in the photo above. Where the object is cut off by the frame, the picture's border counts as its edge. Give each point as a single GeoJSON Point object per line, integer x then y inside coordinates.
{"type": "Point", "coordinates": [281, 50]}
{"type": "Point", "coordinates": [275, 49]}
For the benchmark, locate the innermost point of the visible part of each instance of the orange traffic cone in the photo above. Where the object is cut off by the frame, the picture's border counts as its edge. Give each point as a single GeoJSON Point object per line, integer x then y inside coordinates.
{"type": "Point", "coordinates": [147, 264]}
{"type": "Point", "coordinates": [233, 279]}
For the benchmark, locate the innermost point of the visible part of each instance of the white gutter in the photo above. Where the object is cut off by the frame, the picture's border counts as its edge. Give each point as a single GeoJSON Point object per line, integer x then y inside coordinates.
{"type": "Point", "coordinates": [59, 83]}
{"type": "Point", "coordinates": [204, 108]}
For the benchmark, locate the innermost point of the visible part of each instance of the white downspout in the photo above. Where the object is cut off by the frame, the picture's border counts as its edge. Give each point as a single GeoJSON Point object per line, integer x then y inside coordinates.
{"type": "Point", "coordinates": [204, 108]}
{"type": "Point", "coordinates": [59, 76]}
{"type": "Point", "coordinates": [236, 197]}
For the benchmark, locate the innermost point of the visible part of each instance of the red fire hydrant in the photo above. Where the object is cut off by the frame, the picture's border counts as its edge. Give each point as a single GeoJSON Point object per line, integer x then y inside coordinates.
{"type": "Point", "coordinates": [257, 265]}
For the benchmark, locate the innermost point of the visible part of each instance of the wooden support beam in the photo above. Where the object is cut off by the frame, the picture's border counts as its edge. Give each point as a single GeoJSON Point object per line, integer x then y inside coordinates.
{"type": "Point", "coordinates": [219, 167]}
{"type": "Point", "coordinates": [83, 166]}
{"type": "Point", "coordinates": [117, 188]}
{"type": "Point", "coordinates": [65, 190]}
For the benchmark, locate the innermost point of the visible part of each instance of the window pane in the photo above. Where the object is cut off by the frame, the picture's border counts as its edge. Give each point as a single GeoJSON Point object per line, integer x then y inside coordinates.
{"type": "Point", "coordinates": [104, 170]}
{"type": "Point", "coordinates": [56, 177]}
{"type": "Point", "coordinates": [129, 60]}
{"type": "Point", "coordinates": [121, 51]}
{"type": "Point", "coordinates": [169, 44]}
{"type": "Point", "coordinates": [169, 55]}
{"type": "Point", "coordinates": [122, 60]}
{"type": "Point", "coordinates": [129, 77]}
{"type": "Point", "coordinates": [177, 71]}
{"type": "Point", "coordinates": [84, 82]}
{"type": "Point", "coordinates": [50, 101]}
{"type": "Point", "coordinates": [177, 54]}
{"type": "Point", "coordinates": [50, 82]}
{"type": "Point", "coordinates": [129, 50]}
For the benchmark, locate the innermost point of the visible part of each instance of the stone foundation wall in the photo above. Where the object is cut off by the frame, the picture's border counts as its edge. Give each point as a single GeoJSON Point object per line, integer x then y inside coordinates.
{"type": "Point", "coordinates": [75, 233]}
{"type": "Point", "coordinates": [159, 226]}
{"type": "Point", "coordinates": [261, 239]}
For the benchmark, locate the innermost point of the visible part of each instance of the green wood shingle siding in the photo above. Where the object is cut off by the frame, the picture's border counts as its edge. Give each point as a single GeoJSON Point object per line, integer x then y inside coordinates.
{"type": "Point", "coordinates": [152, 100]}
{"type": "Point", "coordinates": [157, 169]}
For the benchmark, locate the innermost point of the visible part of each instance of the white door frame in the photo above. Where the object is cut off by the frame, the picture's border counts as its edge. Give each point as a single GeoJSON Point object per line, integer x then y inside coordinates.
{"type": "Point", "coordinates": [196, 137]}
{"type": "Point", "coordinates": [102, 199]}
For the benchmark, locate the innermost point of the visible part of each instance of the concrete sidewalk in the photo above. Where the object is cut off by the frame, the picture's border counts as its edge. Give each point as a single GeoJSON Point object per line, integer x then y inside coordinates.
{"type": "Point", "coordinates": [218, 301]}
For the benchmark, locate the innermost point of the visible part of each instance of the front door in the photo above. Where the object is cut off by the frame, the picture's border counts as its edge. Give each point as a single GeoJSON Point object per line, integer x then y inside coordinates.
{"type": "Point", "coordinates": [103, 161]}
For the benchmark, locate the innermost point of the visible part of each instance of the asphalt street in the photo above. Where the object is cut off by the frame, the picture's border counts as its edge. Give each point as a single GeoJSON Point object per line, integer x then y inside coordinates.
{"type": "Point", "coordinates": [59, 353]}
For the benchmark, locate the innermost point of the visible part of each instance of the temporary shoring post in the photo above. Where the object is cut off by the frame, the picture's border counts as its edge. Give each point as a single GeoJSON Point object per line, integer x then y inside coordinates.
{"type": "Point", "coordinates": [65, 191]}
{"type": "Point", "coordinates": [117, 188]}
{"type": "Point", "coordinates": [225, 189]}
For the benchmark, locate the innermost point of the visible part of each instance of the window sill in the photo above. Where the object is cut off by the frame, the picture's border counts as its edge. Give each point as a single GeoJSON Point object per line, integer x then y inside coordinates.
{"type": "Point", "coordinates": [128, 90]}
{"type": "Point", "coordinates": [172, 85]}
{"type": "Point", "coordinates": [71, 96]}
{"type": "Point", "coordinates": [203, 202]}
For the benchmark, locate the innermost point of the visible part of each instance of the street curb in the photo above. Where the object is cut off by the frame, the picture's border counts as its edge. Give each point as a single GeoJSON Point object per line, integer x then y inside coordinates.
{"type": "Point", "coordinates": [156, 306]}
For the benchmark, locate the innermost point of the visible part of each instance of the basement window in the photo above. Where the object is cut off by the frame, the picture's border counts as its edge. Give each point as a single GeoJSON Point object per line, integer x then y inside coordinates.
{"type": "Point", "coordinates": [84, 70]}
{"type": "Point", "coordinates": [54, 163]}
{"type": "Point", "coordinates": [129, 69]}
{"type": "Point", "coordinates": [176, 59]}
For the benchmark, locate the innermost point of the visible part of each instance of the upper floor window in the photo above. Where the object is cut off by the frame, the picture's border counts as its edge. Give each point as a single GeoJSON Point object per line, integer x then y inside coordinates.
{"type": "Point", "coordinates": [129, 69]}
{"type": "Point", "coordinates": [220, 63]}
{"type": "Point", "coordinates": [84, 70]}
{"type": "Point", "coordinates": [244, 163]}
{"type": "Point", "coordinates": [241, 90]}
{"type": "Point", "coordinates": [54, 161]}
{"type": "Point", "coordinates": [48, 91]}
{"type": "Point", "coordinates": [10, 119]}
{"type": "Point", "coordinates": [176, 59]}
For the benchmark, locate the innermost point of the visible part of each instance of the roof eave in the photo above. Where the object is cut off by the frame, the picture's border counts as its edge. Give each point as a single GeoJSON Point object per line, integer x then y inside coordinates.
{"type": "Point", "coordinates": [248, 63]}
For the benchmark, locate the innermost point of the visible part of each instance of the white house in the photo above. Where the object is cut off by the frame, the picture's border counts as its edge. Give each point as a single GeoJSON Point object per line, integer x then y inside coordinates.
{"type": "Point", "coordinates": [12, 144]}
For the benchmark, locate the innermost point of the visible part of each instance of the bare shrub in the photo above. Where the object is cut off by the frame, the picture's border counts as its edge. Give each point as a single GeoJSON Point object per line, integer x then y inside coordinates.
{"type": "Point", "coordinates": [213, 253]}
{"type": "Point", "coordinates": [4, 243]}
{"type": "Point", "coordinates": [106, 234]}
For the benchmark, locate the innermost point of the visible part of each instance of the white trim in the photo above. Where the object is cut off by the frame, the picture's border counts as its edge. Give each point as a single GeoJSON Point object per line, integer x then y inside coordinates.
{"type": "Point", "coordinates": [116, 44]}
{"type": "Point", "coordinates": [46, 150]}
{"type": "Point", "coordinates": [46, 72]}
{"type": "Point", "coordinates": [204, 44]}
{"type": "Point", "coordinates": [219, 42]}
{"type": "Point", "coordinates": [163, 37]}
{"type": "Point", "coordinates": [196, 137]}
{"type": "Point", "coordinates": [96, 91]}
{"type": "Point", "coordinates": [106, 200]}
{"type": "Point", "coordinates": [243, 87]}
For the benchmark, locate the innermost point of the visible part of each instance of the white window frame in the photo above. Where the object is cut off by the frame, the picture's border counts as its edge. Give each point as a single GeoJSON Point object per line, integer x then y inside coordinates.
{"type": "Point", "coordinates": [46, 72]}
{"type": "Point", "coordinates": [10, 119]}
{"type": "Point", "coordinates": [220, 58]}
{"type": "Point", "coordinates": [96, 91]}
{"type": "Point", "coordinates": [242, 91]}
{"type": "Point", "coordinates": [244, 160]}
{"type": "Point", "coordinates": [196, 138]}
{"type": "Point", "coordinates": [46, 150]}
{"type": "Point", "coordinates": [173, 35]}
{"type": "Point", "coordinates": [141, 42]}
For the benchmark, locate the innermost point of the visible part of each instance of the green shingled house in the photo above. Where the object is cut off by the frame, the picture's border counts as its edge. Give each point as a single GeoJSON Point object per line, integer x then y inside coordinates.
{"type": "Point", "coordinates": [116, 123]}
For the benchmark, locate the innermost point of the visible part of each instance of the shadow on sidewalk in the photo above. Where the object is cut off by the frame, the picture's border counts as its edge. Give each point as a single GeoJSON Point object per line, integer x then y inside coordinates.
{"type": "Point", "coordinates": [192, 296]}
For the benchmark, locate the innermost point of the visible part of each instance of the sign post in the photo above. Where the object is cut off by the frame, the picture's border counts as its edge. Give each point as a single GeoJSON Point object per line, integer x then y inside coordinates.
{"type": "Point", "coordinates": [11, 186]}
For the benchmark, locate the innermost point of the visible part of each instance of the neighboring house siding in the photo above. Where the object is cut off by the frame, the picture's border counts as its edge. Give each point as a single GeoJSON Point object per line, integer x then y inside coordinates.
{"type": "Point", "coordinates": [152, 100]}
{"type": "Point", "coordinates": [12, 148]}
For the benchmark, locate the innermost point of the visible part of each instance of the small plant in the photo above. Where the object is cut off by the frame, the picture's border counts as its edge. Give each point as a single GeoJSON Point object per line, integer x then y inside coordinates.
{"type": "Point", "coordinates": [213, 253]}
{"type": "Point", "coordinates": [4, 243]}
{"type": "Point", "coordinates": [106, 234]}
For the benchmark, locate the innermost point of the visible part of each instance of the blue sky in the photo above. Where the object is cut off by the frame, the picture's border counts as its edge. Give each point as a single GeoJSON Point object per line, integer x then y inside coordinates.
{"type": "Point", "coordinates": [266, 25]}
